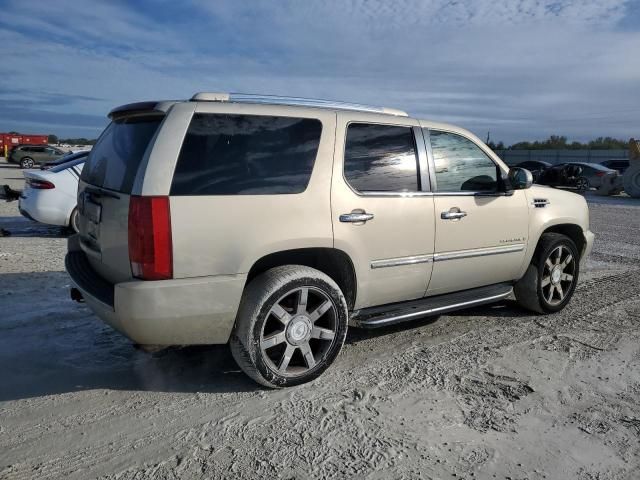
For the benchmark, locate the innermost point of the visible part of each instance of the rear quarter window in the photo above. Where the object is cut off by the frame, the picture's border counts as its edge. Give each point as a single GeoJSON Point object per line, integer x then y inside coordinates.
{"type": "Point", "coordinates": [114, 160]}
{"type": "Point", "coordinates": [246, 155]}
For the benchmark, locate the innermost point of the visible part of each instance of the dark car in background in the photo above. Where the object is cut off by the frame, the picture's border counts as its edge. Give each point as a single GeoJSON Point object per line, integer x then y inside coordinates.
{"type": "Point", "coordinates": [28, 156]}
{"type": "Point", "coordinates": [619, 165]}
{"type": "Point", "coordinates": [69, 157]}
{"type": "Point", "coordinates": [582, 176]}
{"type": "Point", "coordinates": [536, 167]}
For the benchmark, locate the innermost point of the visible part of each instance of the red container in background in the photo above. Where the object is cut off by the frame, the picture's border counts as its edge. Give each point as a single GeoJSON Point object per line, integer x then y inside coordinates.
{"type": "Point", "coordinates": [9, 140]}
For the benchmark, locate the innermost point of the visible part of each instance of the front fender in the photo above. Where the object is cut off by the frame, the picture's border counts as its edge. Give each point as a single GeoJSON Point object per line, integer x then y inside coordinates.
{"type": "Point", "coordinates": [562, 210]}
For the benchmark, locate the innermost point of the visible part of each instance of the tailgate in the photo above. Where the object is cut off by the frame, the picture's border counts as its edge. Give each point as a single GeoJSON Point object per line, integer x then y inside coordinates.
{"type": "Point", "coordinates": [104, 190]}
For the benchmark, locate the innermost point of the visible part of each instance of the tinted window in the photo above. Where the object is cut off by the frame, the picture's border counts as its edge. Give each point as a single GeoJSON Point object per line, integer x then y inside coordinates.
{"type": "Point", "coordinates": [461, 165]}
{"type": "Point", "coordinates": [37, 149]}
{"type": "Point", "coordinates": [114, 160]}
{"type": "Point", "coordinates": [246, 155]}
{"type": "Point", "coordinates": [380, 158]}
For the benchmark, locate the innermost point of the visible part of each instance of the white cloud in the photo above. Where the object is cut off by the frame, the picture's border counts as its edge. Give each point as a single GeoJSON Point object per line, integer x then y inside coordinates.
{"type": "Point", "coordinates": [522, 68]}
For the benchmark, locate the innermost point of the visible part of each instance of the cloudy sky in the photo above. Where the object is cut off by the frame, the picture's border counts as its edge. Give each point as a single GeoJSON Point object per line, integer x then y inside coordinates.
{"type": "Point", "coordinates": [523, 69]}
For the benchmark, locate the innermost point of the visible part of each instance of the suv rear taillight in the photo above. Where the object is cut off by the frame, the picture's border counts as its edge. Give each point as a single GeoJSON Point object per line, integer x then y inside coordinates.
{"type": "Point", "coordinates": [150, 250]}
{"type": "Point", "coordinates": [40, 184]}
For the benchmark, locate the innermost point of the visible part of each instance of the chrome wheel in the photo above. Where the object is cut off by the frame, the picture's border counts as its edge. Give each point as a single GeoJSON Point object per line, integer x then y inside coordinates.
{"type": "Point", "coordinates": [299, 331]}
{"type": "Point", "coordinates": [27, 163]}
{"type": "Point", "coordinates": [582, 184]}
{"type": "Point", "coordinates": [558, 274]}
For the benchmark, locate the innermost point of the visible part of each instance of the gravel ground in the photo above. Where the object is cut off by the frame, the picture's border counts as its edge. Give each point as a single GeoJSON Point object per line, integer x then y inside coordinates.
{"type": "Point", "coordinates": [491, 392]}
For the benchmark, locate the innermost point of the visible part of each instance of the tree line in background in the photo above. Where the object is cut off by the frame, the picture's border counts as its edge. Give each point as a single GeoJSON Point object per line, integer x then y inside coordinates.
{"type": "Point", "coordinates": [554, 142]}
{"type": "Point", "coordinates": [559, 142]}
{"type": "Point", "coordinates": [53, 139]}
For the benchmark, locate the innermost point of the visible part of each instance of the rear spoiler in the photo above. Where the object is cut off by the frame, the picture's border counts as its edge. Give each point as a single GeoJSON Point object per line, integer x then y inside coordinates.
{"type": "Point", "coordinates": [158, 107]}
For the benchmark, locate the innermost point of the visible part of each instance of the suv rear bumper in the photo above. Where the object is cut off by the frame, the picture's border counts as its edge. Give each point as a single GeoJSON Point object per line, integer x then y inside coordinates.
{"type": "Point", "coordinates": [168, 312]}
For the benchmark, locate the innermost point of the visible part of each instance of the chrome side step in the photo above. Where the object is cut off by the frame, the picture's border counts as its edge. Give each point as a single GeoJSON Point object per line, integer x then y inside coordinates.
{"type": "Point", "coordinates": [375, 317]}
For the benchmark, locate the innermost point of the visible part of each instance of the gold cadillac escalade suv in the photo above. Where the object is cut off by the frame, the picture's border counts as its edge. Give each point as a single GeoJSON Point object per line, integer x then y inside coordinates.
{"type": "Point", "coordinates": [273, 223]}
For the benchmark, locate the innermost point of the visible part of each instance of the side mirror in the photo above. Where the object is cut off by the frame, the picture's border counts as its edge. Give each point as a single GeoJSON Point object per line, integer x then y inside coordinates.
{"type": "Point", "coordinates": [520, 178]}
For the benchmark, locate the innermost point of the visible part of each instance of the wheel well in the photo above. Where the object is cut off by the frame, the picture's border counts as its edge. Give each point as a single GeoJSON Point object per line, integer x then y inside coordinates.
{"type": "Point", "coordinates": [330, 261]}
{"type": "Point", "coordinates": [574, 232]}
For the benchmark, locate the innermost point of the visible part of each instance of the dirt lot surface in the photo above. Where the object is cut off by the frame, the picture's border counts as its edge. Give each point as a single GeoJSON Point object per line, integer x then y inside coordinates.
{"type": "Point", "coordinates": [492, 392]}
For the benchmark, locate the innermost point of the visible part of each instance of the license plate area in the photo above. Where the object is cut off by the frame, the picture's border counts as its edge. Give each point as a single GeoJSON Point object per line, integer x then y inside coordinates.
{"type": "Point", "coordinates": [92, 212]}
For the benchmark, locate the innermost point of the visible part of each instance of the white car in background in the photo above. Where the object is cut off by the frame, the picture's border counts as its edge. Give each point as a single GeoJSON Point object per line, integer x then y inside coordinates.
{"type": "Point", "coordinates": [51, 196]}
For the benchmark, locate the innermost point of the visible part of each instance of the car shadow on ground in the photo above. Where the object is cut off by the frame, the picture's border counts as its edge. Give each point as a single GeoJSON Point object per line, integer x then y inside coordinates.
{"type": "Point", "coordinates": [51, 345]}
{"type": "Point", "coordinates": [23, 227]}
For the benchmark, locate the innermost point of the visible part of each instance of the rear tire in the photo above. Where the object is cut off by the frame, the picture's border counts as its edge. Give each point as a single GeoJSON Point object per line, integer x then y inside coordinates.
{"type": "Point", "coordinates": [290, 327]}
{"type": "Point", "coordinates": [582, 184]}
{"type": "Point", "coordinates": [551, 278]}
{"type": "Point", "coordinates": [631, 181]}
{"type": "Point", "coordinates": [27, 162]}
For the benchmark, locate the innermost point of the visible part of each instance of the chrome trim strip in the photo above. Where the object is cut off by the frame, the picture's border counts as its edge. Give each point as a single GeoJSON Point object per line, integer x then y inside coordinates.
{"type": "Point", "coordinates": [432, 164]}
{"type": "Point", "coordinates": [444, 308]}
{"type": "Point", "coordinates": [479, 252]}
{"type": "Point", "coordinates": [428, 194]}
{"type": "Point", "coordinates": [394, 194]}
{"type": "Point", "coordinates": [396, 262]}
{"type": "Point", "coordinates": [423, 161]}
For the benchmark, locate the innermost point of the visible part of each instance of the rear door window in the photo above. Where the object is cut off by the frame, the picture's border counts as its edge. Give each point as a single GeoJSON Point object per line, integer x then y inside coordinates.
{"type": "Point", "coordinates": [381, 158]}
{"type": "Point", "coordinates": [246, 155]}
{"type": "Point", "coordinates": [114, 160]}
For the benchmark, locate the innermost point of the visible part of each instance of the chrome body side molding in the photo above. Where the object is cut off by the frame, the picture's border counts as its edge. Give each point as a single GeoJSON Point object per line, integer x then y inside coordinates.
{"type": "Point", "coordinates": [439, 257]}
{"type": "Point", "coordinates": [478, 252]}
{"type": "Point", "coordinates": [396, 262]}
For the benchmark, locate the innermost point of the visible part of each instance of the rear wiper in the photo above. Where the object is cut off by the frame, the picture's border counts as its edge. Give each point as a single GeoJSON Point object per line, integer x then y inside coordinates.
{"type": "Point", "coordinates": [101, 192]}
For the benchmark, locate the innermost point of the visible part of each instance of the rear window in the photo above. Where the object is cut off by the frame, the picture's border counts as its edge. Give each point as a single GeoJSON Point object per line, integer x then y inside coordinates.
{"type": "Point", "coordinates": [114, 160]}
{"type": "Point", "coordinates": [246, 155]}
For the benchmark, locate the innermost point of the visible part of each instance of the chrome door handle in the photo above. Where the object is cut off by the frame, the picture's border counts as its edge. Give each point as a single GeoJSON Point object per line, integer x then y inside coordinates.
{"type": "Point", "coordinates": [453, 215]}
{"type": "Point", "coordinates": [356, 217]}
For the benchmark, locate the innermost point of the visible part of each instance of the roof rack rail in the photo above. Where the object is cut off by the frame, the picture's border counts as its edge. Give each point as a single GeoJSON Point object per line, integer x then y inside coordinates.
{"type": "Point", "coordinates": [299, 101]}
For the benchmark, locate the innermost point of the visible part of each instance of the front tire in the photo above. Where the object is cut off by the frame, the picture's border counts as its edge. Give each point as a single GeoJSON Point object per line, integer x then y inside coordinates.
{"type": "Point", "coordinates": [551, 278]}
{"type": "Point", "coordinates": [291, 324]}
{"type": "Point", "coordinates": [27, 162]}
